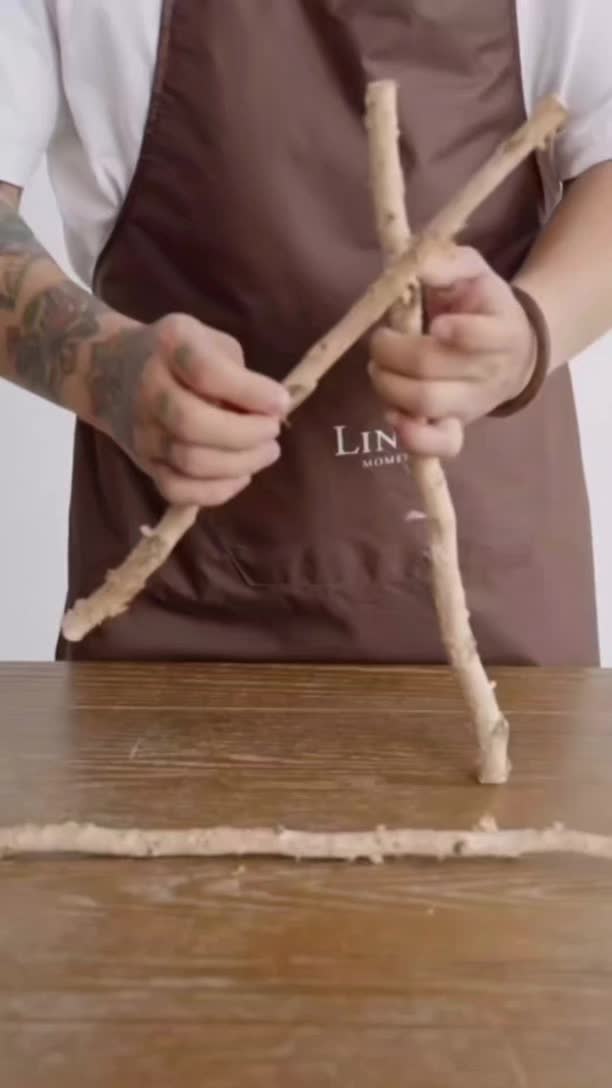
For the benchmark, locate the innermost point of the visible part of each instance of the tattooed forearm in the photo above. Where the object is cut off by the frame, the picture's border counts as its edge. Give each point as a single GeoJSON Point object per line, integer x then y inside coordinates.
{"type": "Point", "coordinates": [12, 275]}
{"type": "Point", "coordinates": [19, 252]}
{"type": "Point", "coordinates": [48, 324]}
{"type": "Point", "coordinates": [62, 343]}
{"type": "Point", "coordinates": [43, 328]}
{"type": "Point", "coordinates": [45, 345]}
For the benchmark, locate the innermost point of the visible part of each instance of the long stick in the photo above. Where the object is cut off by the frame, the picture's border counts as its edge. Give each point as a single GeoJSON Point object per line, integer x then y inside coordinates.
{"type": "Point", "coordinates": [124, 583]}
{"type": "Point", "coordinates": [406, 316]}
{"type": "Point", "coordinates": [374, 845]}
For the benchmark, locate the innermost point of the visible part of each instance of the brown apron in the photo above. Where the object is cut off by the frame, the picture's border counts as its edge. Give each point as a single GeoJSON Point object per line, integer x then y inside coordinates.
{"type": "Point", "coordinates": [250, 209]}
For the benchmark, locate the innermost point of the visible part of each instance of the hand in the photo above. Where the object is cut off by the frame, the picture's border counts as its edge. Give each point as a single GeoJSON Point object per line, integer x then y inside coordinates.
{"type": "Point", "coordinates": [179, 400]}
{"type": "Point", "coordinates": [480, 352]}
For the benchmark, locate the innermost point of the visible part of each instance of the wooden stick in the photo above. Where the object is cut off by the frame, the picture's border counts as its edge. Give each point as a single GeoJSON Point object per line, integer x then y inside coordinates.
{"type": "Point", "coordinates": [492, 729]}
{"type": "Point", "coordinates": [374, 845]}
{"type": "Point", "coordinates": [406, 316]}
{"type": "Point", "coordinates": [121, 586]}
{"type": "Point", "coordinates": [124, 583]}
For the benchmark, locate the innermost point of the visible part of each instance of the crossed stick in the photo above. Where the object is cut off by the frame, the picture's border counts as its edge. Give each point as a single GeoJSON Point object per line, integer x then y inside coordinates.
{"type": "Point", "coordinates": [395, 291]}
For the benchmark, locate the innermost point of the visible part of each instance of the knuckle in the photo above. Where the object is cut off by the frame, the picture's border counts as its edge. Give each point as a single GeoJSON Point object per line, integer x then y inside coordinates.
{"type": "Point", "coordinates": [167, 330]}
{"type": "Point", "coordinates": [178, 422]}
{"type": "Point", "coordinates": [468, 336]}
{"type": "Point", "coordinates": [472, 256]}
{"type": "Point", "coordinates": [258, 460]}
{"type": "Point", "coordinates": [412, 440]}
{"type": "Point", "coordinates": [215, 494]}
{"type": "Point", "coordinates": [465, 337]}
{"type": "Point", "coordinates": [402, 395]}
{"type": "Point", "coordinates": [179, 456]}
{"type": "Point", "coordinates": [457, 439]}
{"type": "Point", "coordinates": [426, 358]}
{"type": "Point", "coordinates": [379, 344]}
{"type": "Point", "coordinates": [271, 453]}
{"type": "Point", "coordinates": [163, 406]}
{"type": "Point", "coordinates": [168, 486]}
{"type": "Point", "coordinates": [190, 460]}
{"type": "Point", "coordinates": [175, 334]}
{"type": "Point", "coordinates": [451, 331]}
{"type": "Point", "coordinates": [427, 400]}
{"type": "Point", "coordinates": [263, 429]}
{"type": "Point", "coordinates": [450, 439]}
{"type": "Point", "coordinates": [194, 461]}
{"type": "Point", "coordinates": [221, 491]}
{"type": "Point", "coordinates": [177, 326]}
{"type": "Point", "coordinates": [229, 346]}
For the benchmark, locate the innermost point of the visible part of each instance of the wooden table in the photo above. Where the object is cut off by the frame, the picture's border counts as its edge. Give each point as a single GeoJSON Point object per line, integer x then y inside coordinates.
{"type": "Point", "coordinates": [267, 973]}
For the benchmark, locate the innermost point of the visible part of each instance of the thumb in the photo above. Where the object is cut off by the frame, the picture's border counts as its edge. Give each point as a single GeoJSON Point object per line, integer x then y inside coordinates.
{"type": "Point", "coordinates": [457, 279]}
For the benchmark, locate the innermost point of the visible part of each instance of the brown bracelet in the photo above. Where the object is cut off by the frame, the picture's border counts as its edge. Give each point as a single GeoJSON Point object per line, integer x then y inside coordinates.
{"type": "Point", "coordinates": [542, 364]}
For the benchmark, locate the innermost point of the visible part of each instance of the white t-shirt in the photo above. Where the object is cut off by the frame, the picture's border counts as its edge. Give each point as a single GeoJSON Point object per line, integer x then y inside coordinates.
{"type": "Point", "coordinates": [76, 78]}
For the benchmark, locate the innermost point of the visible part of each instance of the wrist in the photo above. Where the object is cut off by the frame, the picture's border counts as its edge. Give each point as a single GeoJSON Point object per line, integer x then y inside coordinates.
{"type": "Point", "coordinates": [82, 393]}
{"type": "Point", "coordinates": [113, 374]}
{"type": "Point", "coordinates": [537, 367]}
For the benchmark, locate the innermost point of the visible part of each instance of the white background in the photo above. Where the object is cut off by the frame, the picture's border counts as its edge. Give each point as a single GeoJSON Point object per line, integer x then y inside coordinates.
{"type": "Point", "coordinates": [35, 448]}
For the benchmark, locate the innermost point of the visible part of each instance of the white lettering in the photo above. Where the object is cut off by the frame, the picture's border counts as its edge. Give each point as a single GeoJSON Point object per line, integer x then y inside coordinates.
{"type": "Point", "coordinates": [365, 438]}
{"type": "Point", "coordinates": [383, 440]}
{"type": "Point", "coordinates": [388, 459]}
{"type": "Point", "coordinates": [341, 450]}
{"type": "Point", "coordinates": [374, 441]}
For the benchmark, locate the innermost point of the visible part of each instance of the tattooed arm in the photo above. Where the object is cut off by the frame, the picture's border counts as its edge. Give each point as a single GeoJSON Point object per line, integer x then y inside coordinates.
{"type": "Point", "coordinates": [45, 319]}
{"type": "Point", "coordinates": [157, 390]}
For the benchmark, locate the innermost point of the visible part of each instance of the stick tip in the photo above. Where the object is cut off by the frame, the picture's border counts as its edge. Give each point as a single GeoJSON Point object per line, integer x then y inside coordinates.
{"type": "Point", "coordinates": [72, 626]}
{"type": "Point", "coordinates": [494, 766]}
{"type": "Point", "coordinates": [379, 92]}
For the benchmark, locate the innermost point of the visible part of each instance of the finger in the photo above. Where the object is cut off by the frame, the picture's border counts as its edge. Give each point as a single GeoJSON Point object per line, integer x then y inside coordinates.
{"type": "Point", "coordinates": [182, 491]}
{"type": "Point", "coordinates": [459, 278]}
{"type": "Point", "coordinates": [430, 400]}
{"type": "Point", "coordinates": [423, 357]}
{"type": "Point", "coordinates": [204, 463]}
{"type": "Point", "coordinates": [471, 333]}
{"type": "Point", "coordinates": [188, 418]}
{"type": "Point", "coordinates": [443, 439]}
{"type": "Point", "coordinates": [208, 369]}
{"type": "Point", "coordinates": [227, 345]}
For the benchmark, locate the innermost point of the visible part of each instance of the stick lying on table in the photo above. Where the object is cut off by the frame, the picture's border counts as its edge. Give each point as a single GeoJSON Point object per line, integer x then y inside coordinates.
{"type": "Point", "coordinates": [407, 316]}
{"type": "Point", "coordinates": [124, 583]}
{"type": "Point", "coordinates": [375, 845]}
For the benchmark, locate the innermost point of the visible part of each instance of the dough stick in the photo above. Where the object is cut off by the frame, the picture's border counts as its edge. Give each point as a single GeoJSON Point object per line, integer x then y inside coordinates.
{"type": "Point", "coordinates": [123, 584]}
{"type": "Point", "coordinates": [407, 317]}
{"type": "Point", "coordinates": [375, 845]}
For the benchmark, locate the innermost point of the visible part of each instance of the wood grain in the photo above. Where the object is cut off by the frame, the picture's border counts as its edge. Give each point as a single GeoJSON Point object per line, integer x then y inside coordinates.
{"type": "Point", "coordinates": [264, 973]}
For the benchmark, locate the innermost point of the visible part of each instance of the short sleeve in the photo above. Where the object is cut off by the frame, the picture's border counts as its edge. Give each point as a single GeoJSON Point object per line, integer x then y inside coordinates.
{"type": "Point", "coordinates": [29, 86]}
{"type": "Point", "coordinates": [566, 50]}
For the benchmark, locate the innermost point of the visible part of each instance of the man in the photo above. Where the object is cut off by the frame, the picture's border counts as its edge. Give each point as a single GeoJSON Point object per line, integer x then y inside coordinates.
{"type": "Point", "coordinates": [210, 165]}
